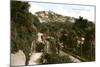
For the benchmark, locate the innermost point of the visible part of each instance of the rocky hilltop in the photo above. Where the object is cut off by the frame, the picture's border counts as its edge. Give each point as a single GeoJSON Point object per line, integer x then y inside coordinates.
{"type": "Point", "coordinates": [50, 16]}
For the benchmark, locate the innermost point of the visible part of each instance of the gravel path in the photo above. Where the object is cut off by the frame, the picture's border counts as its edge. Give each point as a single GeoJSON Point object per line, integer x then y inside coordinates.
{"type": "Point", "coordinates": [18, 58]}
{"type": "Point", "coordinates": [73, 59]}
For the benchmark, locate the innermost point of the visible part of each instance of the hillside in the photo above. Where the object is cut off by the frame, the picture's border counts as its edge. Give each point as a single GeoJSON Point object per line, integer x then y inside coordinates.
{"type": "Point", "coordinates": [50, 16]}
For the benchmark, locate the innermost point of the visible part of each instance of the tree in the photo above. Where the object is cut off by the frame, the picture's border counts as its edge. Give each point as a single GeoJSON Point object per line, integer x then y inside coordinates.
{"type": "Point", "coordinates": [22, 28]}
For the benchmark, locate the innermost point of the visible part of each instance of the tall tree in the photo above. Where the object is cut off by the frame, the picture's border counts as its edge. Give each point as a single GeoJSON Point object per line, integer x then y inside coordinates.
{"type": "Point", "coordinates": [22, 28]}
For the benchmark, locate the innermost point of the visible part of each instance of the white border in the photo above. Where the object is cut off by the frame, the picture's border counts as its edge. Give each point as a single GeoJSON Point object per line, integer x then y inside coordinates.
{"type": "Point", "coordinates": [5, 33]}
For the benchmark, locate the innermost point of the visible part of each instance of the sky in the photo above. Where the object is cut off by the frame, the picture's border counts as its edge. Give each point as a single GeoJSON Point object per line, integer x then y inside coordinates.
{"type": "Point", "coordinates": [87, 12]}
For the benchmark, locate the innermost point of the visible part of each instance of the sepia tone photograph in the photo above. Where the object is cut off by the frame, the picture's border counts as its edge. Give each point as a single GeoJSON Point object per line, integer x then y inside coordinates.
{"type": "Point", "coordinates": [51, 33]}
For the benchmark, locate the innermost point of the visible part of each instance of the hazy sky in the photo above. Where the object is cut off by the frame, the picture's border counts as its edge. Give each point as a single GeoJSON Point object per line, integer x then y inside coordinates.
{"type": "Point", "coordinates": [64, 9]}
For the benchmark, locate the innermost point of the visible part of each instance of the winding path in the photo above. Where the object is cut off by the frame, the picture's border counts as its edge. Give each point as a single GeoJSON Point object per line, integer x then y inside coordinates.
{"type": "Point", "coordinates": [19, 58]}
